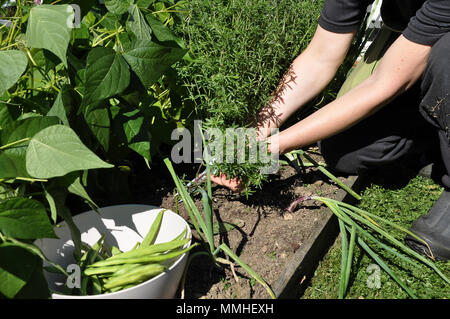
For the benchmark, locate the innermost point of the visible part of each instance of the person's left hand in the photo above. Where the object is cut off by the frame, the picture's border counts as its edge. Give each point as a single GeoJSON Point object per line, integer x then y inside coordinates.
{"type": "Point", "coordinates": [235, 184]}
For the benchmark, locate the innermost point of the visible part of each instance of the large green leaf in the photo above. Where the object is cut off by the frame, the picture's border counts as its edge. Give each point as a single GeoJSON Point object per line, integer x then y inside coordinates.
{"type": "Point", "coordinates": [97, 118]}
{"type": "Point", "coordinates": [61, 106]}
{"type": "Point", "coordinates": [160, 30]}
{"type": "Point", "coordinates": [28, 127]}
{"type": "Point", "coordinates": [144, 3]}
{"type": "Point", "coordinates": [107, 74]}
{"type": "Point", "coordinates": [49, 27]}
{"type": "Point", "coordinates": [16, 267]}
{"type": "Point", "coordinates": [150, 60]}
{"type": "Point", "coordinates": [8, 114]}
{"type": "Point", "coordinates": [57, 151]}
{"type": "Point", "coordinates": [25, 219]}
{"type": "Point", "coordinates": [117, 6]}
{"type": "Point", "coordinates": [137, 24]}
{"type": "Point", "coordinates": [12, 65]}
{"type": "Point", "coordinates": [12, 160]}
{"type": "Point", "coordinates": [137, 132]}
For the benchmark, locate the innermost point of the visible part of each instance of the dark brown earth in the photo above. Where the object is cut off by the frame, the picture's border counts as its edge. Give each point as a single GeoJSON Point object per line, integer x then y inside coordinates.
{"type": "Point", "coordinates": [267, 236]}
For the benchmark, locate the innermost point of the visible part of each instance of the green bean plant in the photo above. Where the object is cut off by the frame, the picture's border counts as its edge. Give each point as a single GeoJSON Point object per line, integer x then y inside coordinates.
{"type": "Point", "coordinates": [88, 91]}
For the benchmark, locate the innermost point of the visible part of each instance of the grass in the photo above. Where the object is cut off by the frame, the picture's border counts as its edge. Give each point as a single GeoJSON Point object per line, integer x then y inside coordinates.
{"type": "Point", "coordinates": [401, 204]}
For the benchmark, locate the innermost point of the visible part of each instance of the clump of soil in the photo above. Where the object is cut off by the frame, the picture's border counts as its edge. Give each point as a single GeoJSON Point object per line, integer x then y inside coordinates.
{"type": "Point", "coordinates": [267, 235]}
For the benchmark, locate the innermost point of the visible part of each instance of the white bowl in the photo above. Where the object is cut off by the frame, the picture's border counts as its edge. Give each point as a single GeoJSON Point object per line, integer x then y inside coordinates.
{"type": "Point", "coordinates": [124, 226]}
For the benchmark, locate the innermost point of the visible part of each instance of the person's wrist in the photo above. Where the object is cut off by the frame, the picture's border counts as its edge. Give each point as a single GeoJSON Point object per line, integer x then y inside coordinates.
{"type": "Point", "coordinates": [273, 144]}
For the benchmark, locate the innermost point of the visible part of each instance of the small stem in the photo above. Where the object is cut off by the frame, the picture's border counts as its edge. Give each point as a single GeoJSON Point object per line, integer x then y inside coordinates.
{"type": "Point", "coordinates": [31, 57]}
{"type": "Point", "coordinates": [331, 176]}
{"type": "Point", "coordinates": [10, 45]}
{"type": "Point", "coordinates": [27, 179]}
{"type": "Point", "coordinates": [14, 143]}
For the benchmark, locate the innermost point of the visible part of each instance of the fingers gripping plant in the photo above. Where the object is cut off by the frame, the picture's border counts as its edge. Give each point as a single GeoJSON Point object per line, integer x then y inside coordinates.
{"type": "Point", "coordinates": [203, 224]}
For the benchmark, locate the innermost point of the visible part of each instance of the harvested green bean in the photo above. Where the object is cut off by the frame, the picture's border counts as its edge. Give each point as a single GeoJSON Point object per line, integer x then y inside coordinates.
{"type": "Point", "coordinates": [143, 251]}
{"type": "Point", "coordinates": [154, 230]}
{"type": "Point", "coordinates": [109, 270]}
{"type": "Point", "coordinates": [146, 258]}
{"type": "Point", "coordinates": [115, 250]}
{"type": "Point", "coordinates": [119, 288]}
{"type": "Point", "coordinates": [96, 286]}
{"type": "Point", "coordinates": [125, 268]}
{"type": "Point", "coordinates": [135, 276]}
{"type": "Point", "coordinates": [181, 236]}
{"type": "Point", "coordinates": [101, 270]}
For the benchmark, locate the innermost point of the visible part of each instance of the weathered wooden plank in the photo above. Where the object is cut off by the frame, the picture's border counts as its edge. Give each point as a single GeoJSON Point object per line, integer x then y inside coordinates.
{"type": "Point", "coordinates": [306, 259]}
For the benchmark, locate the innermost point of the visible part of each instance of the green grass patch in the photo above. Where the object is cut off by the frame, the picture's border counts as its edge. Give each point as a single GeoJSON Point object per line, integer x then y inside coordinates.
{"type": "Point", "coordinates": [401, 204]}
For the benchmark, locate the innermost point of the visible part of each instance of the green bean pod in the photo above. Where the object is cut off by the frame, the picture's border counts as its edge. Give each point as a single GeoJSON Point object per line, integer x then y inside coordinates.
{"type": "Point", "coordinates": [123, 269]}
{"type": "Point", "coordinates": [143, 251]}
{"type": "Point", "coordinates": [119, 288]}
{"type": "Point", "coordinates": [115, 250]}
{"type": "Point", "coordinates": [96, 286]}
{"type": "Point", "coordinates": [101, 270]}
{"type": "Point", "coordinates": [181, 236]}
{"type": "Point", "coordinates": [135, 276]}
{"type": "Point", "coordinates": [154, 230]}
{"type": "Point", "coordinates": [143, 259]}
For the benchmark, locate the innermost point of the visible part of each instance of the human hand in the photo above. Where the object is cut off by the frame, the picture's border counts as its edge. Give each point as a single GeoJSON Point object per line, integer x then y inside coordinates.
{"type": "Point", "coordinates": [235, 184]}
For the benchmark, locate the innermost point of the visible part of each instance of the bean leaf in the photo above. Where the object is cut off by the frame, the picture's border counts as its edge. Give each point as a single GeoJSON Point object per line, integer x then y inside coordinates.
{"type": "Point", "coordinates": [150, 60]}
{"type": "Point", "coordinates": [57, 151]}
{"type": "Point", "coordinates": [117, 6]}
{"type": "Point", "coordinates": [12, 65]}
{"type": "Point", "coordinates": [16, 267]}
{"type": "Point", "coordinates": [25, 219]}
{"type": "Point", "coordinates": [13, 160]}
{"type": "Point", "coordinates": [107, 74]}
{"type": "Point", "coordinates": [138, 25]}
{"type": "Point", "coordinates": [49, 27]}
{"type": "Point", "coordinates": [137, 132]}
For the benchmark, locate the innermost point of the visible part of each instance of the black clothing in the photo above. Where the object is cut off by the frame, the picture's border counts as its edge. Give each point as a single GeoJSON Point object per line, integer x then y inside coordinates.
{"type": "Point", "coordinates": [416, 122]}
{"type": "Point", "coordinates": [420, 21]}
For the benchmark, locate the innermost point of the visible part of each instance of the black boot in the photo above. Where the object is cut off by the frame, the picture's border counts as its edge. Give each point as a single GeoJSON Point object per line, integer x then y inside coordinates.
{"type": "Point", "coordinates": [434, 229]}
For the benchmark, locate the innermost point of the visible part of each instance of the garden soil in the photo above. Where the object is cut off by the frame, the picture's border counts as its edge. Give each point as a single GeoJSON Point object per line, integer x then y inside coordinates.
{"type": "Point", "coordinates": [266, 237]}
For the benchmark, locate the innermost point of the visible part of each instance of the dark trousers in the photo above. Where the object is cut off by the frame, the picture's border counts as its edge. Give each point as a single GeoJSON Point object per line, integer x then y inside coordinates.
{"type": "Point", "coordinates": [416, 122]}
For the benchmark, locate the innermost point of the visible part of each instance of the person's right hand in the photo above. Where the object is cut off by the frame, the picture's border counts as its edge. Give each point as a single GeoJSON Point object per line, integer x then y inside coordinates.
{"type": "Point", "coordinates": [235, 184]}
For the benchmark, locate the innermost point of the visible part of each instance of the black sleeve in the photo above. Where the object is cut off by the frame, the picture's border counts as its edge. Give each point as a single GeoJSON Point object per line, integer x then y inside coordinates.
{"type": "Point", "coordinates": [430, 23]}
{"type": "Point", "coordinates": [343, 16]}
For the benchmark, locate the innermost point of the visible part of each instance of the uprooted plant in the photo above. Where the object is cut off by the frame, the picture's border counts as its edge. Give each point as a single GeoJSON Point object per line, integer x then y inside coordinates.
{"type": "Point", "coordinates": [203, 224]}
{"type": "Point", "coordinates": [364, 227]}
